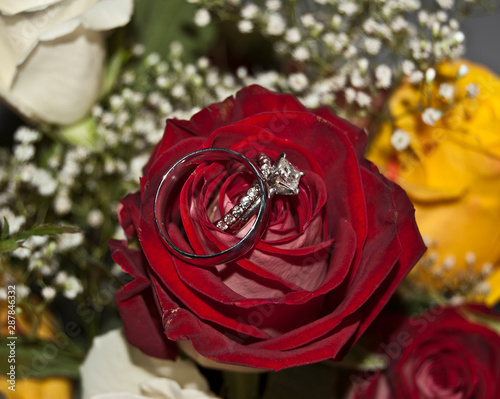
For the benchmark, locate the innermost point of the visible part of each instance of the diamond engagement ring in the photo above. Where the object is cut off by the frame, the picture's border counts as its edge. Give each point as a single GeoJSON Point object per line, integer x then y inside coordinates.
{"type": "Point", "coordinates": [282, 178]}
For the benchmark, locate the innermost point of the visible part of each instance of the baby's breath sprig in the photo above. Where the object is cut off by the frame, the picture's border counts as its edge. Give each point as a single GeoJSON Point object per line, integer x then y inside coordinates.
{"type": "Point", "coordinates": [350, 52]}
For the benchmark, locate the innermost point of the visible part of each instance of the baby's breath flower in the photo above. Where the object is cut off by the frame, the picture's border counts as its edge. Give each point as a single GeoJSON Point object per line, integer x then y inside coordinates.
{"type": "Point", "coordinates": [250, 11]}
{"type": "Point", "coordinates": [462, 71]}
{"type": "Point", "coordinates": [400, 140]}
{"type": "Point", "coordinates": [273, 5]}
{"type": "Point", "coordinates": [351, 51]}
{"type": "Point", "coordinates": [458, 37]}
{"type": "Point", "coordinates": [336, 21]}
{"type": "Point", "coordinates": [35, 242]}
{"type": "Point", "coordinates": [22, 291]}
{"type": "Point", "coordinates": [67, 241]}
{"type": "Point", "coordinates": [24, 152]}
{"type": "Point", "coordinates": [431, 115]}
{"type": "Point", "coordinates": [242, 72]}
{"type": "Point", "coordinates": [138, 49]}
{"type": "Point", "coordinates": [363, 99]}
{"type": "Point", "coordinates": [152, 59]}
{"type": "Point", "coordinates": [308, 20]}
{"type": "Point", "coordinates": [62, 203]}
{"type": "Point", "coordinates": [384, 75]}
{"type": "Point", "coordinates": [372, 45]}
{"type": "Point", "coordinates": [44, 182]}
{"type": "Point", "coordinates": [350, 95]}
{"type": "Point", "coordinates": [408, 67]}
{"type": "Point", "coordinates": [357, 80]}
{"type": "Point", "coordinates": [72, 287]}
{"type": "Point", "coordinates": [26, 135]}
{"type": "Point", "coordinates": [447, 4]}
{"type": "Point", "coordinates": [61, 278]}
{"type": "Point", "coordinates": [21, 253]}
{"type": "Point", "coordinates": [370, 25]}
{"type": "Point", "coordinates": [48, 293]}
{"type": "Point", "coordinates": [293, 35]}
{"type": "Point", "coordinates": [95, 218]}
{"type": "Point", "coordinates": [276, 24]}
{"type": "Point", "coordinates": [416, 77]}
{"type": "Point", "coordinates": [487, 269]}
{"type": "Point", "coordinates": [311, 100]}
{"type": "Point", "coordinates": [398, 24]}
{"type": "Point", "coordinates": [178, 91]}
{"type": "Point", "coordinates": [203, 62]}
{"type": "Point", "coordinates": [245, 26]}
{"type": "Point", "coordinates": [472, 90]}
{"type": "Point", "coordinates": [363, 64]}
{"type": "Point", "coordinates": [348, 8]}
{"type": "Point", "coordinates": [202, 17]}
{"type": "Point", "coordinates": [446, 91]}
{"type": "Point", "coordinates": [470, 258]}
{"type": "Point", "coordinates": [176, 49]}
{"type": "Point", "coordinates": [298, 81]}
{"type": "Point", "coordinates": [301, 54]}
{"type": "Point", "coordinates": [430, 75]}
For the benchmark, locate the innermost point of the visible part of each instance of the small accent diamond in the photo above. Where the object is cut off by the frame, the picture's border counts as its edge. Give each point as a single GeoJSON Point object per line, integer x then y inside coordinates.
{"type": "Point", "coordinates": [237, 211]}
{"type": "Point", "coordinates": [229, 219]}
{"type": "Point", "coordinates": [221, 225]}
{"type": "Point", "coordinates": [245, 201]}
{"type": "Point", "coordinates": [252, 192]}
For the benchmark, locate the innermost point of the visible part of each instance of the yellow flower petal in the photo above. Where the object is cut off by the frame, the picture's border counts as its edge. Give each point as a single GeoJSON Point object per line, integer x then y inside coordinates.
{"type": "Point", "coordinates": [451, 172]}
{"type": "Point", "coordinates": [47, 388]}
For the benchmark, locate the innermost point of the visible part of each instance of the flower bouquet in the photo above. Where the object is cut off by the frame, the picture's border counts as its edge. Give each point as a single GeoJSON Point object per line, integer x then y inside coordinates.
{"type": "Point", "coordinates": [248, 199]}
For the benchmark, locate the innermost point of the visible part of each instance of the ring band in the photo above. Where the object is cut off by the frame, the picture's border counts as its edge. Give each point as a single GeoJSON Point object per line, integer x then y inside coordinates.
{"type": "Point", "coordinates": [173, 176]}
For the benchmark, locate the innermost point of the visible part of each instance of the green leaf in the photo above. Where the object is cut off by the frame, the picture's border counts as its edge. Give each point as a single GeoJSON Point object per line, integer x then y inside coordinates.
{"type": "Point", "coordinates": [82, 133]}
{"type": "Point", "coordinates": [361, 359]}
{"type": "Point", "coordinates": [157, 23]}
{"type": "Point", "coordinates": [5, 230]}
{"type": "Point", "coordinates": [9, 245]}
{"type": "Point", "coordinates": [17, 240]}
{"type": "Point", "coordinates": [490, 321]}
{"type": "Point", "coordinates": [39, 359]}
{"type": "Point", "coordinates": [45, 230]}
{"type": "Point", "coordinates": [113, 69]}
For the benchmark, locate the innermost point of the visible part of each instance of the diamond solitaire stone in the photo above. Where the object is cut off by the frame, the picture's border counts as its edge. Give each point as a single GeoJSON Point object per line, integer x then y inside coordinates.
{"type": "Point", "coordinates": [285, 177]}
{"type": "Point", "coordinates": [281, 178]}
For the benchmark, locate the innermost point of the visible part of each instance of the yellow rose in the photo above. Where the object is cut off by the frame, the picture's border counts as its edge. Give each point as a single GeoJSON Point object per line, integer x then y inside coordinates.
{"type": "Point", "coordinates": [45, 388]}
{"type": "Point", "coordinates": [442, 146]}
{"type": "Point", "coordinates": [29, 388]}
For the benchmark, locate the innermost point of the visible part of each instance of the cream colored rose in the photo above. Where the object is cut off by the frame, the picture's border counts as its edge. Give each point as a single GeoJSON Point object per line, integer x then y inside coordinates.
{"type": "Point", "coordinates": [52, 54]}
{"type": "Point", "coordinates": [114, 369]}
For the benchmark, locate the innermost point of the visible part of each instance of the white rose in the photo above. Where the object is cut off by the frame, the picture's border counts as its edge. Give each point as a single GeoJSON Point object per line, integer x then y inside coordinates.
{"type": "Point", "coordinates": [52, 54]}
{"type": "Point", "coordinates": [114, 369]}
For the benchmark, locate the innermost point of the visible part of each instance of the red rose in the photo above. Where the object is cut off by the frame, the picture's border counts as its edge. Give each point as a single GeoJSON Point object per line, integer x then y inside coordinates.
{"type": "Point", "coordinates": [331, 258]}
{"type": "Point", "coordinates": [439, 354]}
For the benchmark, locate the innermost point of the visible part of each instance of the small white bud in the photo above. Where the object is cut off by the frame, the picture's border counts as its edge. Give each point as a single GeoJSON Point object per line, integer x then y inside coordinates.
{"type": "Point", "coordinates": [400, 140]}
{"type": "Point", "coordinates": [462, 71]}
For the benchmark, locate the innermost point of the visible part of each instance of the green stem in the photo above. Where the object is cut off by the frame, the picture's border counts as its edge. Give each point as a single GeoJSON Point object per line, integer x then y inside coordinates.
{"type": "Point", "coordinates": [240, 385]}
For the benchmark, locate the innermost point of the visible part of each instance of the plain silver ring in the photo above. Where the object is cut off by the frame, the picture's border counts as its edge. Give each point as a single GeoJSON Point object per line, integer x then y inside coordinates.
{"type": "Point", "coordinates": [177, 171]}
